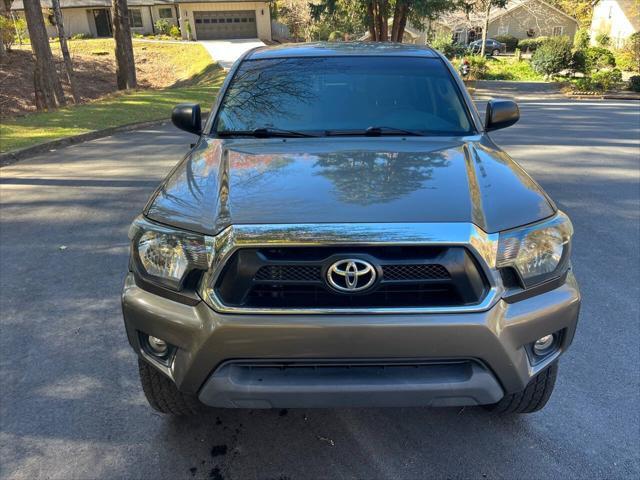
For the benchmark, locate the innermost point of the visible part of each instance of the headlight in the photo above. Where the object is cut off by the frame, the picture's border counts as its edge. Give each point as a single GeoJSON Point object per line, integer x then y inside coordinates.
{"type": "Point", "coordinates": [166, 256]}
{"type": "Point", "coordinates": [538, 252]}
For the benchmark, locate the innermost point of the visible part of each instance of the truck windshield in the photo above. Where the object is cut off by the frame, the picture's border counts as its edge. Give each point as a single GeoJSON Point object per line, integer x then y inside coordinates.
{"type": "Point", "coordinates": [343, 95]}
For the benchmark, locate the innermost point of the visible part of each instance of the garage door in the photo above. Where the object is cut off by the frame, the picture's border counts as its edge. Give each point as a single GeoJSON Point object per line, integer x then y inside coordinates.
{"type": "Point", "coordinates": [213, 25]}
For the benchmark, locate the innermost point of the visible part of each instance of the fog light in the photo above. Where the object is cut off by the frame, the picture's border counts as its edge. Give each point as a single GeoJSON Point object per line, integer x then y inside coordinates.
{"type": "Point", "coordinates": [157, 345]}
{"type": "Point", "coordinates": [543, 344]}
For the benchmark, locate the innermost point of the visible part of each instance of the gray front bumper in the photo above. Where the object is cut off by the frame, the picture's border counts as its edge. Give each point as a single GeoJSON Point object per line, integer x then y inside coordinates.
{"type": "Point", "coordinates": [494, 340]}
{"type": "Point", "coordinates": [335, 384]}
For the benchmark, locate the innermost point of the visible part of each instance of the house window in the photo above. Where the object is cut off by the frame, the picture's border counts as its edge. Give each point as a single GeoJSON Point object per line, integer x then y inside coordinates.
{"type": "Point", "coordinates": [135, 18]}
{"type": "Point", "coordinates": [165, 12]}
{"type": "Point", "coordinates": [503, 29]}
{"type": "Point", "coordinates": [557, 31]}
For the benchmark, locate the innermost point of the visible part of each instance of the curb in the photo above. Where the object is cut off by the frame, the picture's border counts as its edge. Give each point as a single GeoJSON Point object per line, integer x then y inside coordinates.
{"type": "Point", "coordinates": [601, 96]}
{"type": "Point", "coordinates": [15, 156]}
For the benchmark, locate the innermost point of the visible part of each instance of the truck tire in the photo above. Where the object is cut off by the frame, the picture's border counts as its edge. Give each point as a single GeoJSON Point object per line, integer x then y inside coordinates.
{"type": "Point", "coordinates": [534, 396]}
{"type": "Point", "coordinates": [163, 395]}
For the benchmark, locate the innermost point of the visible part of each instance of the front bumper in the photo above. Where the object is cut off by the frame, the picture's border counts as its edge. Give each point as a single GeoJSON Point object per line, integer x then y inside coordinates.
{"type": "Point", "coordinates": [253, 361]}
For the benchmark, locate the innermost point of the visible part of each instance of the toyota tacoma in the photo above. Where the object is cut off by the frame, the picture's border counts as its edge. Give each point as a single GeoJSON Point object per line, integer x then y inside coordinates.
{"type": "Point", "coordinates": [344, 232]}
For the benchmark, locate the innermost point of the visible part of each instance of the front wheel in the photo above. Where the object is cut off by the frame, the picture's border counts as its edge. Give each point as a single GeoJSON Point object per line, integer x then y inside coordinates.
{"type": "Point", "coordinates": [163, 395]}
{"type": "Point", "coordinates": [534, 396]}
{"type": "Point", "coordinates": [495, 53]}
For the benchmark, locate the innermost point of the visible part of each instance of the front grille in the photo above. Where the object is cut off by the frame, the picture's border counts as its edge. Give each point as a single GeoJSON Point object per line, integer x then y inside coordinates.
{"type": "Point", "coordinates": [295, 277]}
{"type": "Point", "coordinates": [291, 273]}
{"type": "Point", "coordinates": [307, 296]}
{"type": "Point", "coordinates": [415, 272]}
{"type": "Point", "coordinates": [306, 273]}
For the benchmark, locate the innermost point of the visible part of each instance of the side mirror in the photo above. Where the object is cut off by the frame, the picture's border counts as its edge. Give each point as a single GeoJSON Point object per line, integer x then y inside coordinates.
{"type": "Point", "coordinates": [186, 116]}
{"type": "Point", "coordinates": [501, 114]}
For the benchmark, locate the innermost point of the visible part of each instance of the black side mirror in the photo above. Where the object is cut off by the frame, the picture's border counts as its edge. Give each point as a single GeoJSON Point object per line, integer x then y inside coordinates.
{"type": "Point", "coordinates": [501, 114]}
{"type": "Point", "coordinates": [186, 116]}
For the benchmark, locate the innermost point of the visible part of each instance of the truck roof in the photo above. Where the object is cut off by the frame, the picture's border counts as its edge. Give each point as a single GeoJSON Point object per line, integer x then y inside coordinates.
{"type": "Point", "coordinates": [341, 49]}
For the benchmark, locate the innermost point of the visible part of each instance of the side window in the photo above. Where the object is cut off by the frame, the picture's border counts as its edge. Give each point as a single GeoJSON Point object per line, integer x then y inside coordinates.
{"type": "Point", "coordinates": [135, 18]}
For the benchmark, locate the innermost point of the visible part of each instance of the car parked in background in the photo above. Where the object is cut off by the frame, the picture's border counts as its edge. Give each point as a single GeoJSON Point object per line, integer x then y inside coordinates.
{"type": "Point", "coordinates": [492, 47]}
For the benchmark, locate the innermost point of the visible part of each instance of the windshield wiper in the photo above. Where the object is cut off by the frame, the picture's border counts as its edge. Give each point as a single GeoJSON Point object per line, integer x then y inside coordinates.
{"type": "Point", "coordinates": [265, 132]}
{"type": "Point", "coordinates": [375, 132]}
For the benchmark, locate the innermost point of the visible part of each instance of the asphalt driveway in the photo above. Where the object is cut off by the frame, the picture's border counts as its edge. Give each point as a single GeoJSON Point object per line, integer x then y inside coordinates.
{"type": "Point", "coordinates": [71, 406]}
{"type": "Point", "coordinates": [226, 52]}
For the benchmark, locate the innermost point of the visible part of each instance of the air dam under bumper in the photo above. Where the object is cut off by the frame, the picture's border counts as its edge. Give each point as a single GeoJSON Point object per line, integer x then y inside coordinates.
{"type": "Point", "coordinates": [242, 385]}
{"type": "Point", "coordinates": [459, 359]}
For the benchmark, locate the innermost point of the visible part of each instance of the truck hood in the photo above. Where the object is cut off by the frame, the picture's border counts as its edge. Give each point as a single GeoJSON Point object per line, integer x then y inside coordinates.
{"type": "Point", "coordinates": [347, 180]}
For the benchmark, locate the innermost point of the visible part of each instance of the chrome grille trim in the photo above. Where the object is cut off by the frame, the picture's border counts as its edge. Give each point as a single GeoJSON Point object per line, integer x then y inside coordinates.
{"type": "Point", "coordinates": [482, 245]}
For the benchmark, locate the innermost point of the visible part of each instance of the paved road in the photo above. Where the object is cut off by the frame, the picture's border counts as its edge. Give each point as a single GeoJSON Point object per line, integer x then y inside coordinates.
{"type": "Point", "coordinates": [71, 407]}
{"type": "Point", "coordinates": [226, 52]}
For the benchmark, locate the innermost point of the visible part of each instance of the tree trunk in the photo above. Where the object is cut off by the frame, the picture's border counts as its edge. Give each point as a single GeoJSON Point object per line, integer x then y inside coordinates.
{"type": "Point", "coordinates": [402, 23]}
{"type": "Point", "coordinates": [125, 65]}
{"type": "Point", "coordinates": [49, 94]}
{"type": "Point", "coordinates": [371, 21]}
{"type": "Point", "coordinates": [5, 8]}
{"type": "Point", "coordinates": [68, 66]}
{"type": "Point", "coordinates": [396, 16]}
{"type": "Point", "coordinates": [383, 20]}
{"type": "Point", "coordinates": [378, 12]}
{"type": "Point", "coordinates": [399, 21]}
{"type": "Point", "coordinates": [485, 28]}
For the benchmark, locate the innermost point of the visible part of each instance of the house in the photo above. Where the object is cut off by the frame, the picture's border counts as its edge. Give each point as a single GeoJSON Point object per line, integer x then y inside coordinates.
{"type": "Point", "coordinates": [207, 19]}
{"type": "Point", "coordinates": [617, 18]}
{"type": "Point", "coordinates": [520, 18]}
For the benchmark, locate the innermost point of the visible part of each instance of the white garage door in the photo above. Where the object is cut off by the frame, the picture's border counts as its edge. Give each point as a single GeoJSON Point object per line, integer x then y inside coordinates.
{"type": "Point", "coordinates": [214, 25]}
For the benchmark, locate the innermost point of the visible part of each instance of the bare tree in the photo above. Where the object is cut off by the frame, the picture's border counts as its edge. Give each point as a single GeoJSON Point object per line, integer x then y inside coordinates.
{"type": "Point", "coordinates": [48, 89]}
{"type": "Point", "coordinates": [68, 66]}
{"type": "Point", "coordinates": [483, 7]}
{"type": "Point", "coordinates": [296, 14]}
{"type": "Point", "coordinates": [125, 63]}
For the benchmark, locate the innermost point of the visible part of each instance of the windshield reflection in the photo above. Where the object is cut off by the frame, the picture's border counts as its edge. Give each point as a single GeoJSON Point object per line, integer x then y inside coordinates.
{"type": "Point", "coordinates": [315, 95]}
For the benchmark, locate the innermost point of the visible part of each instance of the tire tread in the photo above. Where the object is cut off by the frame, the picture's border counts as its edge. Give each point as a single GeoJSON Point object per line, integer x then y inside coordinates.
{"type": "Point", "coordinates": [534, 396]}
{"type": "Point", "coordinates": [163, 395]}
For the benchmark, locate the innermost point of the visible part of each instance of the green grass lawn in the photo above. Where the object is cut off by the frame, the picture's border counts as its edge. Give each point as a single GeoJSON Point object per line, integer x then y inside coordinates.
{"type": "Point", "coordinates": [201, 81]}
{"type": "Point", "coordinates": [508, 68]}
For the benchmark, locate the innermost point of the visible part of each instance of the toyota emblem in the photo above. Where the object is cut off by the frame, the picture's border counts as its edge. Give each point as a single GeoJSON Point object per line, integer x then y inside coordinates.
{"type": "Point", "coordinates": [351, 275]}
